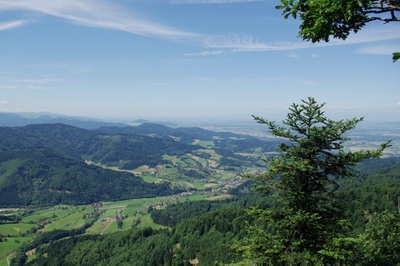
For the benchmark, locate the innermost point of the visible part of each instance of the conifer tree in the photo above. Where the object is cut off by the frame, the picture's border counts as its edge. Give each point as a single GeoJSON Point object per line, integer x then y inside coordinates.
{"type": "Point", "coordinates": [305, 225]}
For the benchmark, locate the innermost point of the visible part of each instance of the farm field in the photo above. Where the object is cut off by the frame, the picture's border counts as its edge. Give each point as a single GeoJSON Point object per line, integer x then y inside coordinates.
{"type": "Point", "coordinates": [132, 213]}
{"type": "Point", "coordinates": [8, 246]}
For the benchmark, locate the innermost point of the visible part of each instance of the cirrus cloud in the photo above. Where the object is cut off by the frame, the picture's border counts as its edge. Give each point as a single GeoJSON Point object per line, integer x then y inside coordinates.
{"type": "Point", "coordinates": [109, 15]}
{"type": "Point", "coordinates": [12, 24]}
{"type": "Point", "coordinates": [97, 13]}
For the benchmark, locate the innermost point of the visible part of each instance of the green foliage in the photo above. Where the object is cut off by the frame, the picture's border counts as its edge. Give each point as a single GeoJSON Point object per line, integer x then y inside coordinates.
{"type": "Point", "coordinates": [325, 18]}
{"type": "Point", "coordinates": [396, 56]}
{"type": "Point", "coordinates": [209, 237]}
{"type": "Point", "coordinates": [120, 223]}
{"type": "Point", "coordinates": [46, 238]}
{"type": "Point", "coordinates": [381, 240]}
{"type": "Point", "coordinates": [374, 189]}
{"type": "Point", "coordinates": [306, 217]}
{"type": "Point", "coordinates": [177, 213]}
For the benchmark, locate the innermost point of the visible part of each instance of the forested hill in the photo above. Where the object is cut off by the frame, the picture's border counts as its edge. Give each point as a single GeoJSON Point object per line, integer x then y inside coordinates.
{"type": "Point", "coordinates": [132, 150]}
{"type": "Point", "coordinates": [58, 163]}
{"type": "Point", "coordinates": [45, 164]}
{"type": "Point", "coordinates": [47, 177]}
{"type": "Point", "coordinates": [66, 139]}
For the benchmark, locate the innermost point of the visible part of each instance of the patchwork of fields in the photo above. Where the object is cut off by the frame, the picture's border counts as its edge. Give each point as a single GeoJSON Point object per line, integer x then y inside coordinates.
{"type": "Point", "coordinates": [112, 217]}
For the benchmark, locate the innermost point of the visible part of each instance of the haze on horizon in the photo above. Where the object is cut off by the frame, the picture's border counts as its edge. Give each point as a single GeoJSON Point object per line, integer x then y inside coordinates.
{"type": "Point", "coordinates": [182, 59]}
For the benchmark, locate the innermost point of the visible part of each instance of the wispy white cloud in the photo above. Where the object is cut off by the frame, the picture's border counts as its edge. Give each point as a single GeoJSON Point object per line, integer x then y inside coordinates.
{"type": "Point", "coordinates": [379, 49]}
{"type": "Point", "coordinates": [108, 15]}
{"type": "Point", "coordinates": [372, 34]}
{"type": "Point", "coordinates": [3, 102]}
{"type": "Point", "coordinates": [34, 81]}
{"type": "Point", "coordinates": [305, 82]}
{"type": "Point", "coordinates": [21, 87]}
{"type": "Point", "coordinates": [7, 87]}
{"type": "Point", "coordinates": [27, 84]}
{"type": "Point", "coordinates": [245, 43]}
{"type": "Point", "coordinates": [205, 53]}
{"type": "Point", "coordinates": [101, 14]}
{"type": "Point", "coordinates": [73, 68]}
{"type": "Point", "coordinates": [194, 2]}
{"type": "Point", "coordinates": [97, 13]}
{"type": "Point", "coordinates": [12, 24]}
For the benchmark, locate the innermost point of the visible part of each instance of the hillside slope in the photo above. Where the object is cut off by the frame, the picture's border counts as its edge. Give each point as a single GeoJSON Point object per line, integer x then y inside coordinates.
{"type": "Point", "coordinates": [47, 177]}
{"type": "Point", "coordinates": [84, 144]}
{"type": "Point", "coordinates": [49, 163]}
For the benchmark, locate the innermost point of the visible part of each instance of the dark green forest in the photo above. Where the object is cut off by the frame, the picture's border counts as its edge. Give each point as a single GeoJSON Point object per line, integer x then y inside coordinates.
{"type": "Point", "coordinates": [84, 144]}
{"type": "Point", "coordinates": [44, 177]}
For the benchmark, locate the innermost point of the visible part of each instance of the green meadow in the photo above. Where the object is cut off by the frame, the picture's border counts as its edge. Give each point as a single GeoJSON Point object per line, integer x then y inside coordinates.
{"type": "Point", "coordinates": [8, 246]}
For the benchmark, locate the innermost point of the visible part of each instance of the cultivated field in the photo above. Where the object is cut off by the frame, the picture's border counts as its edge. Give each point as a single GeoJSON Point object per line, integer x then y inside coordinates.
{"type": "Point", "coordinates": [132, 213]}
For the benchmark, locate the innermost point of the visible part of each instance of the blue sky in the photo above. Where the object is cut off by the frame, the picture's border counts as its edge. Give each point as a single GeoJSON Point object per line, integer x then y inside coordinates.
{"type": "Point", "coordinates": [129, 59]}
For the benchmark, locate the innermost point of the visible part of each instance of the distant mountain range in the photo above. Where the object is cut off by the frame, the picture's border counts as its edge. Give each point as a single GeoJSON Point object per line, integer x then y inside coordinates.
{"type": "Point", "coordinates": [222, 140]}
{"type": "Point", "coordinates": [23, 119]}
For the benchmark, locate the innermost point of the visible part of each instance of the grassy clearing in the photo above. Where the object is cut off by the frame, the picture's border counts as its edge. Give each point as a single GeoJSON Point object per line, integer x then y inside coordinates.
{"type": "Point", "coordinates": [37, 218]}
{"type": "Point", "coordinates": [202, 184]}
{"type": "Point", "coordinates": [53, 213]}
{"type": "Point", "coordinates": [193, 197]}
{"type": "Point", "coordinates": [131, 210]}
{"type": "Point", "coordinates": [151, 179]}
{"type": "Point", "coordinates": [14, 229]}
{"type": "Point", "coordinates": [9, 246]}
{"type": "Point", "coordinates": [73, 220]}
{"type": "Point", "coordinates": [127, 222]}
{"type": "Point", "coordinates": [98, 227]}
{"type": "Point", "coordinates": [224, 196]}
{"type": "Point", "coordinates": [204, 143]}
{"type": "Point", "coordinates": [208, 185]}
{"type": "Point", "coordinates": [111, 228]}
{"type": "Point", "coordinates": [146, 221]}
